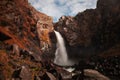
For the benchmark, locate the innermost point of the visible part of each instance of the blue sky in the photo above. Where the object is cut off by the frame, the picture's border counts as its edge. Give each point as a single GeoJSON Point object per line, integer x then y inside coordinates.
{"type": "Point", "coordinates": [58, 8]}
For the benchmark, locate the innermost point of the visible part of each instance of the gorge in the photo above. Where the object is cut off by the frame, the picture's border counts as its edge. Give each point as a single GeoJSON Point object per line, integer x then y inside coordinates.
{"type": "Point", "coordinates": [28, 41]}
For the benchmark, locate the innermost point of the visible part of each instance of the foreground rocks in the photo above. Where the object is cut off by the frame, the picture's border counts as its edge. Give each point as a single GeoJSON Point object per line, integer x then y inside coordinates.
{"type": "Point", "coordinates": [94, 75]}
{"type": "Point", "coordinates": [97, 68]}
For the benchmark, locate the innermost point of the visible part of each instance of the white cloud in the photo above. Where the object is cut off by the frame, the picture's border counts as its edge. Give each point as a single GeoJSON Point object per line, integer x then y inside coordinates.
{"type": "Point", "coordinates": [57, 8]}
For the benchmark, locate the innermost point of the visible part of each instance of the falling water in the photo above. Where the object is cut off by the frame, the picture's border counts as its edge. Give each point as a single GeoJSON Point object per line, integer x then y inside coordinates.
{"type": "Point", "coordinates": [61, 57]}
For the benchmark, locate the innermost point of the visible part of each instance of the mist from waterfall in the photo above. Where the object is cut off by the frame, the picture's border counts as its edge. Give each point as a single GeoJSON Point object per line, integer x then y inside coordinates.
{"type": "Point", "coordinates": [61, 57]}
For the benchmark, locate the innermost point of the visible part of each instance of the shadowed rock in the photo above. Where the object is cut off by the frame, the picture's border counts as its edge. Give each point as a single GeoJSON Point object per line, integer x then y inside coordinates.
{"type": "Point", "coordinates": [25, 73]}
{"type": "Point", "coordinates": [92, 31]}
{"type": "Point", "coordinates": [94, 75]}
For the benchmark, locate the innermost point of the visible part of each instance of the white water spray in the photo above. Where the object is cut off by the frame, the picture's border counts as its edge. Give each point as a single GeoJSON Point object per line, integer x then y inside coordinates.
{"type": "Point", "coordinates": [61, 57]}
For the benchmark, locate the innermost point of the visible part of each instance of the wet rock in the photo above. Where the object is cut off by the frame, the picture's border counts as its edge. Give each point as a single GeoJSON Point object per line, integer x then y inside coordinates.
{"type": "Point", "coordinates": [108, 66]}
{"type": "Point", "coordinates": [48, 76]}
{"type": "Point", "coordinates": [94, 75]}
{"type": "Point", "coordinates": [52, 77]}
{"type": "Point", "coordinates": [66, 75]}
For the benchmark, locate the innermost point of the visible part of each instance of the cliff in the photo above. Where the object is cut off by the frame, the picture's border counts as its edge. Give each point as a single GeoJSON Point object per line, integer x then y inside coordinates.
{"type": "Point", "coordinates": [22, 25]}
{"type": "Point", "coordinates": [93, 31]}
{"type": "Point", "coordinates": [24, 37]}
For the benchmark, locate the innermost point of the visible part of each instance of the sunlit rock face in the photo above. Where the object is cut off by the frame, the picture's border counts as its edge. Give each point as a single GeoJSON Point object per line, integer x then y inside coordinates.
{"type": "Point", "coordinates": [92, 31]}
{"type": "Point", "coordinates": [24, 34]}
{"type": "Point", "coordinates": [25, 26]}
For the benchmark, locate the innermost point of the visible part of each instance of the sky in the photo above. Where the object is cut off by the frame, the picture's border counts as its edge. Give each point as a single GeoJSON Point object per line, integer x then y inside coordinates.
{"type": "Point", "coordinates": [58, 8]}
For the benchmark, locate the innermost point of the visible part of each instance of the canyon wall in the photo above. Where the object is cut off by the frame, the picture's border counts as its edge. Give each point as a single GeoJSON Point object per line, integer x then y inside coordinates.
{"type": "Point", "coordinates": [24, 37]}
{"type": "Point", "coordinates": [92, 31]}
{"type": "Point", "coordinates": [26, 27]}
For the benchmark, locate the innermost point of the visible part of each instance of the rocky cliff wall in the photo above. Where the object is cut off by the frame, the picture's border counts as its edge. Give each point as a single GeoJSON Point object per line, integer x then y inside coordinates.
{"type": "Point", "coordinates": [92, 31]}
{"type": "Point", "coordinates": [25, 27]}
{"type": "Point", "coordinates": [24, 37]}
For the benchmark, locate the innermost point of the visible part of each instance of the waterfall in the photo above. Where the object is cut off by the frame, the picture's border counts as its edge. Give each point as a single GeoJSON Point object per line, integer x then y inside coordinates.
{"type": "Point", "coordinates": [61, 57]}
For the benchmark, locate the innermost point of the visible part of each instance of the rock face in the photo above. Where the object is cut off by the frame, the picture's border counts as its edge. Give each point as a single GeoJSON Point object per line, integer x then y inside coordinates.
{"type": "Point", "coordinates": [24, 27]}
{"type": "Point", "coordinates": [92, 31]}
{"type": "Point", "coordinates": [24, 37]}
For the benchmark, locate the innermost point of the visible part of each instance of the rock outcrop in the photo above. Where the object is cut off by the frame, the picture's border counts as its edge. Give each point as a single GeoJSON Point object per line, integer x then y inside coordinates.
{"type": "Point", "coordinates": [92, 31]}
{"type": "Point", "coordinates": [24, 37]}
{"type": "Point", "coordinates": [25, 27]}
